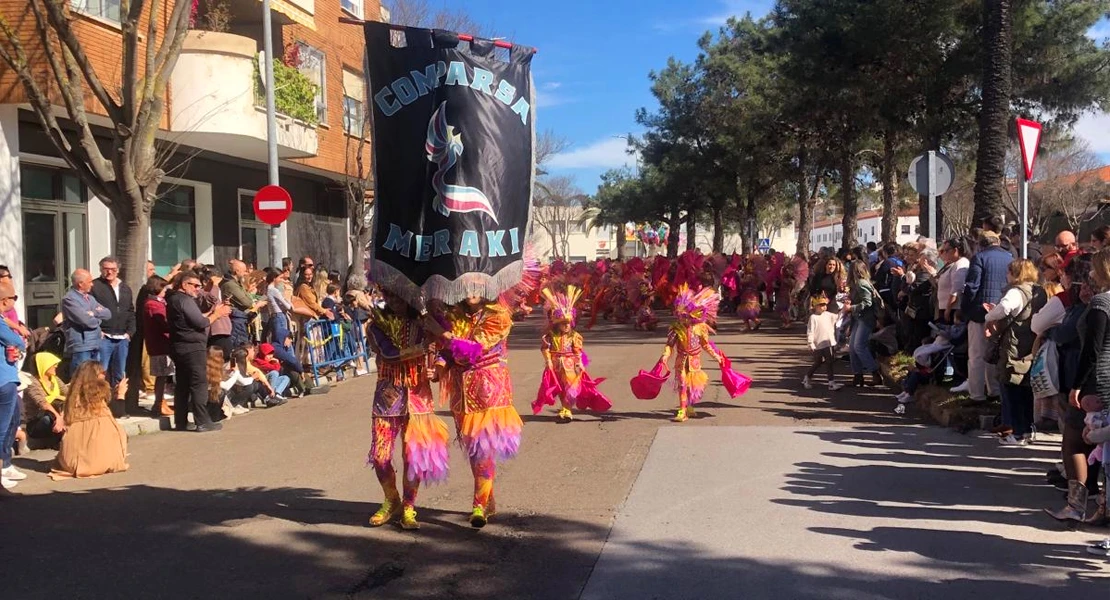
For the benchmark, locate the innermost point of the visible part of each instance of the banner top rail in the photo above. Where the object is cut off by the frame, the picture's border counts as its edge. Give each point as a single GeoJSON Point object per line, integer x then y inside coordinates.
{"type": "Point", "coordinates": [463, 37]}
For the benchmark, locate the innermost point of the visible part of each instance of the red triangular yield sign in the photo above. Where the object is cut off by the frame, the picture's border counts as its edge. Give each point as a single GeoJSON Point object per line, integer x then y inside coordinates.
{"type": "Point", "coordinates": [1029, 137]}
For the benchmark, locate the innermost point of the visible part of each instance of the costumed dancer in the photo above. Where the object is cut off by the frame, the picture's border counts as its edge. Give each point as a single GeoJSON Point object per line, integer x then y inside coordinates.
{"type": "Point", "coordinates": [474, 377]}
{"type": "Point", "coordinates": [689, 336]}
{"type": "Point", "coordinates": [565, 375]}
{"type": "Point", "coordinates": [750, 307]}
{"type": "Point", "coordinates": [403, 409]}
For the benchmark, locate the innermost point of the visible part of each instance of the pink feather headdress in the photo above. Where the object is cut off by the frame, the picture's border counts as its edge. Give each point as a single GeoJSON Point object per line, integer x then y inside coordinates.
{"type": "Point", "coordinates": [560, 305]}
{"type": "Point", "coordinates": [696, 307]}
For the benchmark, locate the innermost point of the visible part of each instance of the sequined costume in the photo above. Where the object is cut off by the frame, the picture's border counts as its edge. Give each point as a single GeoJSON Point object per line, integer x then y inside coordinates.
{"type": "Point", "coordinates": [403, 409]}
{"type": "Point", "coordinates": [688, 338]}
{"type": "Point", "coordinates": [565, 376]}
{"type": "Point", "coordinates": [476, 385]}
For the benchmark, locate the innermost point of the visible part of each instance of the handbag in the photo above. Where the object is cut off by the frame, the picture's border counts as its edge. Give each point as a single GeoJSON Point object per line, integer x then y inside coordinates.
{"type": "Point", "coordinates": [1044, 374]}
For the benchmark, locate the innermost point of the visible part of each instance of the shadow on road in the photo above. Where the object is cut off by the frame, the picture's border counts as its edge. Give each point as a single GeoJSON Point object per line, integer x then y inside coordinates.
{"type": "Point", "coordinates": [150, 542]}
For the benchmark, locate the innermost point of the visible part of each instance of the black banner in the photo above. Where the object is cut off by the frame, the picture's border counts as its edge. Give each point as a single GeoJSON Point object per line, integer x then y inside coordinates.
{"type": "Point", "coordinates": [453, 135]}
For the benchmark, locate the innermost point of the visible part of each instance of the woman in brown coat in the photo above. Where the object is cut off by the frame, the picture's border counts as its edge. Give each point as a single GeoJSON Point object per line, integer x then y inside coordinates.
{"type": "Point", "coordinates": [94, 443]}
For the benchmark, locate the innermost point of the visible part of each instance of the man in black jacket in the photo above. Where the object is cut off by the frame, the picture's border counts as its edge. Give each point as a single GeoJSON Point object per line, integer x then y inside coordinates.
{"type": "Point", "coordinates": [115, 295]}
{"type": "Point", "coordinates": [189, 350]}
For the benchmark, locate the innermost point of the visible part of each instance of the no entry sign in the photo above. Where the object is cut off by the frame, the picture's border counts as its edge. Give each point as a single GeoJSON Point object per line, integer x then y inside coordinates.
{"type": "Point", "coordinates": [272, 205]}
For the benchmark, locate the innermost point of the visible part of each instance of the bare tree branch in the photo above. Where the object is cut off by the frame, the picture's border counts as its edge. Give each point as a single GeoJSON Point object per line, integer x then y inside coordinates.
{"type": "Point", "coordinates": [421, 13]}
{"type": "Point", "coordinates": [57, 11]}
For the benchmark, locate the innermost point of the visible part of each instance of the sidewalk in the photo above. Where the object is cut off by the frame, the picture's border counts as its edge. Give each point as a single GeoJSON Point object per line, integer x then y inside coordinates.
{"type": "Point", "coordinates": [135, 426]}
{"type": "Point", "coordinates": [855, 512]}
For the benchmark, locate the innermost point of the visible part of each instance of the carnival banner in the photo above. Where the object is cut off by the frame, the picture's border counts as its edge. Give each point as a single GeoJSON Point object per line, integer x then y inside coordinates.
{"type": "Point", "coordinates": [453, 137]}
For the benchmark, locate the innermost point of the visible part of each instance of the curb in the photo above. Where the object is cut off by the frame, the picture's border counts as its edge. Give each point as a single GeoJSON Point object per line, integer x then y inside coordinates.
{"type": "Point", "coordinates": [136, 426]}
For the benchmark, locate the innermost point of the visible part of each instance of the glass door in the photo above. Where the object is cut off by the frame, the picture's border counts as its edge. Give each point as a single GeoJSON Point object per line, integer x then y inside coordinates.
{"type": "Point", "coordinates": [54, 245]}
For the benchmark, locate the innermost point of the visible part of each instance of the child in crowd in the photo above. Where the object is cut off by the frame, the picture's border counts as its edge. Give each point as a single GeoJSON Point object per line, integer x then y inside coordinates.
{"type": "Point", "coordinates": [278, 383]}
{"type": "Point", "coordinates": [334, 302]}
{"type": "Point", "coordinates": [821, 336]}
{"type": "Point", "coordinates": [271, 367]}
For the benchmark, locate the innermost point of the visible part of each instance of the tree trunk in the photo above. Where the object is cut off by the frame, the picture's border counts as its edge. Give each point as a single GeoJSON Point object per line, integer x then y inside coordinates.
{"type": "Point", "coordinates": [620, 242]}
{"type": "Point", "coordinates": [132, 243]}
{"type": "Point", "coordinates": [672, 235]}
{"type": "Point", "coordinates": [848, 197]}
{"type": "Point", "coordinates": [718, 228]}
{"type": "Point", "coordinates": [890, 190]}
{"type": "Point", "coordinates": [806, 204]}
{"type": "Point", "coordinates": [691, 232]}
{"type": "Point", "coordinates": [994, 114]}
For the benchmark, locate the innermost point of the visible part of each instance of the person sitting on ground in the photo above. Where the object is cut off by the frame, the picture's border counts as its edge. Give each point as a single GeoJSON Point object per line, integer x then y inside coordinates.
{"type": "Point", "coordinates": [44, 401]}
{"type": "Point", "coordinates": [275, 384]}
{"type": "Point", "coordinates": [268, 362]}
{"type": "Point", "coordinates": [94, 443]}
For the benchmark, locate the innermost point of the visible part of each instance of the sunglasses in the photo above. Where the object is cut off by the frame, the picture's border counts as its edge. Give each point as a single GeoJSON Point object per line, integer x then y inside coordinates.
{"type": "Point", "coordinates": [109, 269]}
{"type": "Point", "coordinates": [190, 284]}
{"type": "Point", "coordinates": [12, 298]}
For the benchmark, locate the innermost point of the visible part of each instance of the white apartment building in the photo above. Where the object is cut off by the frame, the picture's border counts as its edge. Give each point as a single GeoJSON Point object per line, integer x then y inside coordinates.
{"type": "Point", "coordinates": [829, 233]}
{"type": "Point", "coordinates": [602, 242]}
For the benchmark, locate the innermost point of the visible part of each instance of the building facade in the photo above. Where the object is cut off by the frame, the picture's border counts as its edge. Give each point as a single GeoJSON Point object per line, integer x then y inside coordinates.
{"type": "Point", "coordinates": [829, 233]}
{"type": "Point", "coordinates": [213, 137]}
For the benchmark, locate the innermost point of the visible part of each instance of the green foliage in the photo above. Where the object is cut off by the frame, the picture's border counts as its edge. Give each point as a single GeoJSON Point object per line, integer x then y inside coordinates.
{"type": "Point", "coordinates": [294, 94]}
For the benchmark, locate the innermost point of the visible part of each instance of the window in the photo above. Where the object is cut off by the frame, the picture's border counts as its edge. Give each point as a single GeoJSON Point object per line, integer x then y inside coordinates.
{"type": "Point", "coordinates": [52, 185]}
{"type": "Point", "coordinates": [354, 94]}
{"type": "Point", "coordinates": [104, 9]}
{"type": "Point", "coordinates": [905, 230]}
{"type": "Point", "coordinates": [917, 229]}
{"type": "Point", "coordinates": [172, 236]}
{"type": "Point", "coordinates": [354, 7]}
{"type": "Point", "coordinates": [872, 230]}
{"type": "Point", "coordinates": [254, 236]}
{"type": "Point", "coordinates": [312, 64]}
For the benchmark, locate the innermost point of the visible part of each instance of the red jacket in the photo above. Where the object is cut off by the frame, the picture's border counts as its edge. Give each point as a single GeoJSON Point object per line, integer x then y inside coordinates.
{"type": "Point", "coordinates": [156, 330]}
{"type": "Point", "coordinates": [267, 365]}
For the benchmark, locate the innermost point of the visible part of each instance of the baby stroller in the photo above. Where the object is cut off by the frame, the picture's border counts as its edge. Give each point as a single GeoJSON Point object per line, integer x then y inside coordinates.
{"type": "Point", "coordinates": [938, 361]}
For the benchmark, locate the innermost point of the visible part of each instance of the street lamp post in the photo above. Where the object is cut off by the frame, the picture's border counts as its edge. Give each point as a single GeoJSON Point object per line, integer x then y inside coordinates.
{"type": "Point", "coordinates": [271, 119]}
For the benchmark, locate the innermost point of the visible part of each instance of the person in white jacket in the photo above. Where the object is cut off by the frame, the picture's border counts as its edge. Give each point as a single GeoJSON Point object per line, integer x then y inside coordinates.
{"type": "Point", "coordinates": [821, 337]}
{"type": "Point", "coordinates": [951, 279]}
{"type": "Point", "coordinates": [1017, 398]}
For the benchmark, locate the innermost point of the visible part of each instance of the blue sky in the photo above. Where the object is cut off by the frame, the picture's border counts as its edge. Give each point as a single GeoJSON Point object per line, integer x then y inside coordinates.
{"type": "Point", "coordinates": [591, 73]}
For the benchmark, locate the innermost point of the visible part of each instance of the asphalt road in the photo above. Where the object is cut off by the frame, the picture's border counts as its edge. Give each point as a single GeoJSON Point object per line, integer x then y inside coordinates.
{"type": "Point", "coordinates": [275, 505]}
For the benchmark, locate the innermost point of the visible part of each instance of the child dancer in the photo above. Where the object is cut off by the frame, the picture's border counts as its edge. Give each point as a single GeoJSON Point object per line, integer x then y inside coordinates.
{"type": "Point", "coordinates": [688, 337]}
{"type": "Point", "coordinates": [749, 308]}
{"type": "Point", "coordinates": [561, 347]}
{"type": "Point", "coordinates": [403, 408]}
{"type": "Point", "coordinates": [821, 335]}
{"type": "Point", "coordinates": [475, 381]}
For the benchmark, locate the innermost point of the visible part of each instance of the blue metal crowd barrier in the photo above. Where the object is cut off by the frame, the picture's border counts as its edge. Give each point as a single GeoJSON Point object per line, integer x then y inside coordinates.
{"type": "Point", "coordinates": [334, 344]}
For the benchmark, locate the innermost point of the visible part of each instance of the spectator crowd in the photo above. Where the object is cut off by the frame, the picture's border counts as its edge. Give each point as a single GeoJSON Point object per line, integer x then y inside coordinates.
{"type": "Point", "coordinates": [1028, 336]}
{"type": "Point", "coordinates": [205, 344]}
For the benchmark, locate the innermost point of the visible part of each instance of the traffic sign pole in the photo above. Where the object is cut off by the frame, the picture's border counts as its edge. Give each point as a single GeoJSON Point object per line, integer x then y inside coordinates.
{"type": "Point", "coordinates": [932, 193]}
{"type": "Point", "coordinates": [1023, 198]}
{"type": "Point", "coordinates": [271, 121]}
{"type": "Point", "coordinates": [1029, 137]}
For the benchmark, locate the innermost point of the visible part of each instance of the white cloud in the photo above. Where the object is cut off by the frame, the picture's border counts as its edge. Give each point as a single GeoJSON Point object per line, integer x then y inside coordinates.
{"type": "Point", "coordinates": [552, 85]}
{"type": "Point", "coordinates": [1100, 31]}
{"type": "Point", "coordinates": [1095, 128]}
{"type": "Point", "coordinates": [607, 153]}
{"type": "Point", "coordinates": [547, 99]}
{"type": "Point", "coordinates": [728, 8]}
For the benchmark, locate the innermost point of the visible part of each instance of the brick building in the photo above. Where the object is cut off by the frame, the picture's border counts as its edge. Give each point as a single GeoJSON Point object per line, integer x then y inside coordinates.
{"type": "Point", "coordinates": [213, 134]}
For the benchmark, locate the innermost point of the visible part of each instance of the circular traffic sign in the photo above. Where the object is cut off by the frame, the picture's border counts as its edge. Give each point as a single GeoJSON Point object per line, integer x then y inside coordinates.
{"type": "Point", "coordinates": [273, 205]}
{"type": "Point", "coordinates": [919, 174]}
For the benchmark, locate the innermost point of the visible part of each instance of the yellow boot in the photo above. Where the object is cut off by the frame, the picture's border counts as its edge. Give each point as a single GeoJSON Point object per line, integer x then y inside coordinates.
{"type": "Point", "coordinates": [391, 509]}
{"type": "Point", "coordinates": [680, 416]}
{"type": "Point", "coordinates": [478, 518]}
{"type": "Point", "coordinates": [408, 518]}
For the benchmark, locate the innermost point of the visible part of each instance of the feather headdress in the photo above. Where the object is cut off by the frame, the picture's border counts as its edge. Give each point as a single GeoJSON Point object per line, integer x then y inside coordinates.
{"type": "Point", "coordinates": [560, 305]}
{"type": "Point", "coordinates": [696, 307]}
